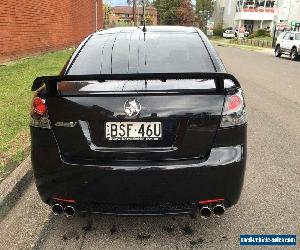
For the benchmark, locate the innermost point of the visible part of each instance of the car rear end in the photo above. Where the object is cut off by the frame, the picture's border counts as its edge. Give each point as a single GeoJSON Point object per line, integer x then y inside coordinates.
{"type": "Point", "coordinates": [228, 34]}
{"type": "Point", "coordinates": [125, 133]}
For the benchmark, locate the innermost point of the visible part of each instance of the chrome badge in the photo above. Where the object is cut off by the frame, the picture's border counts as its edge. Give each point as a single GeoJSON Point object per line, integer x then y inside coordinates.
{"type": "Point", "coordinates": [65, 124]}
{"type": "Point", "coordinates": [132, 107]}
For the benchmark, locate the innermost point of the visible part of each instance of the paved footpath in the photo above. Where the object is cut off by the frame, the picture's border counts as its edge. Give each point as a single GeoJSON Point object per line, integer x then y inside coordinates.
{"type": "Point", "coordinates": [269, 203]}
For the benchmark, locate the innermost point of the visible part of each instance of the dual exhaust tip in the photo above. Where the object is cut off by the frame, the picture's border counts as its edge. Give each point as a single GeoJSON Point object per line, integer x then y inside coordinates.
{"type": "Point", "coordinates": [59, 209]}
{"type": "Point", "coordinates": [207, 210]}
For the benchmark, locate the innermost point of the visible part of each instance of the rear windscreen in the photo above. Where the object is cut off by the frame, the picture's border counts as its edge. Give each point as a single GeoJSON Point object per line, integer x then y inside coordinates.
{"type": "Point", "coordinates": [136, 52]}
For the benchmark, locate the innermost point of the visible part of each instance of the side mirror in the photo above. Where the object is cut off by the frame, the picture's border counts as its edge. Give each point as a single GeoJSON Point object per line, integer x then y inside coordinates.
{"type": "Point", "coordinates": [291, 38]}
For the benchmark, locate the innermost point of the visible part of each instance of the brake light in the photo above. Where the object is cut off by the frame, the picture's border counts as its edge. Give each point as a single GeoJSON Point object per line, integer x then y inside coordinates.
{"type": "Point", "coordinates": [39, 115]}
{"type": "Point", "coordinates": [39, 106]}
{"type": "Point", "coordinates": [234, 111]}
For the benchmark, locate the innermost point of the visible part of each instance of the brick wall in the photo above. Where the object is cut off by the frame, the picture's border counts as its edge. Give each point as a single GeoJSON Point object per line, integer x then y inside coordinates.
{"type": "Point", "coordinates": [34, 26]}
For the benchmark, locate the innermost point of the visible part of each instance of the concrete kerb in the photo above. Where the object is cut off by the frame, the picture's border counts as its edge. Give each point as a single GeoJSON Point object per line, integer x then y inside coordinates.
{"type": "Point", "coordinates": [13, 186]}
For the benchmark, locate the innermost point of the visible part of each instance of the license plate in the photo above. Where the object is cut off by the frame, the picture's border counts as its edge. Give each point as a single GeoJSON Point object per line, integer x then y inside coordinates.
{"type": "Point", "coordinates": [133, 131]}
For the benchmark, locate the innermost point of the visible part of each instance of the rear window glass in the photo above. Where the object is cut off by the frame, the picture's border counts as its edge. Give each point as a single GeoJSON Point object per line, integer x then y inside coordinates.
{"type": "Point", "coordinates": [183, 52]}
{"type": "Point", "coordinates": [154, 52]}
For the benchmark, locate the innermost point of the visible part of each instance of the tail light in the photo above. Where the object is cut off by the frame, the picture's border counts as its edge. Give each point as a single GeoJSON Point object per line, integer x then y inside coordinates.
{"type": "Point", "coordinates": [39, 114]}
{"type": "Point", "coordinates": [39, 106]}
{"type": "Point", "coordinates": [234, 110]}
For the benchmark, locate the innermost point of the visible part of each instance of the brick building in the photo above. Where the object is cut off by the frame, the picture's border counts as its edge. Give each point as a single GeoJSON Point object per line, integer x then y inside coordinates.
{"type": "Point", "coordinates": [33, 26]}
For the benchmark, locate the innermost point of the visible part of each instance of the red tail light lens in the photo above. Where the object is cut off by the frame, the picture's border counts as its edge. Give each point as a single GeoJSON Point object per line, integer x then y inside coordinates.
{"type": "Point", "coordinates": [234, 102]}
{"type": "Point", "coordinates": [39, 106]}
{"type": "Point", "coordinates": [38, 114]}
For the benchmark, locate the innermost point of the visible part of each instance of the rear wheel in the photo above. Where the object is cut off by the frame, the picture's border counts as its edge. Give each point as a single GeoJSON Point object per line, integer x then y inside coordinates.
{"type": "Point", "coordinates": [278, 51]}
{"type": "Point", "coordinates": [294, 54]}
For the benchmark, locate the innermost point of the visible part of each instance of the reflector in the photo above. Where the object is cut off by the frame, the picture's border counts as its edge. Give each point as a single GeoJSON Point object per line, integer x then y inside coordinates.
{"type": "Point", "coordinates": [211, 201]}
{"type": "Point", "coordinates": [63, 199]}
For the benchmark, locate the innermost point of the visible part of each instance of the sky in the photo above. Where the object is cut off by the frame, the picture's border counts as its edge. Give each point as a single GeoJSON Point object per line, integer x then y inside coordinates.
{"type": "Point", "coordinates": [116, 2]}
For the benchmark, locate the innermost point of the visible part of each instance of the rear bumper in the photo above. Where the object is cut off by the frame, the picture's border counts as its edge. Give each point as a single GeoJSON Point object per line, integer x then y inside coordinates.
{"type": "Point", "coordinates": [139, 188]}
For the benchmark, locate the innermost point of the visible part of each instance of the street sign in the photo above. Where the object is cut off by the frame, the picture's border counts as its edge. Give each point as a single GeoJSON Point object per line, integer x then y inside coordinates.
{"type": "Point", "coordinates": [282, 26]}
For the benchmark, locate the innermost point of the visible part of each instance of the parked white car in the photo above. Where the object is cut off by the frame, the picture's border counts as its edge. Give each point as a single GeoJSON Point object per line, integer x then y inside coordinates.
{"type": "Point", "coordinates": [288, 43]}
{"type": "Point", "coordinates": [228, 34]}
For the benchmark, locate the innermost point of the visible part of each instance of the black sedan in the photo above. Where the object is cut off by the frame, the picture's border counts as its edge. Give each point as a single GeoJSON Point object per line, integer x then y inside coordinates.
{"type": "Point", "coordinates": [140, 121]}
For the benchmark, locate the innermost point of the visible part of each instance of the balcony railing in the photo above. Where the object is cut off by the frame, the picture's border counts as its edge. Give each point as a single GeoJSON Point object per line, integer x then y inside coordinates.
{"type": "Point", "coordinates": [255, 5]}
{"type": "Point", "coordinates": [259, 9]}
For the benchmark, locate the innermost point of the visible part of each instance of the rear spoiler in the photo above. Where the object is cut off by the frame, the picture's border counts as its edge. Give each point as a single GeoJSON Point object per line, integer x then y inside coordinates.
{"type": "Point", "coordinates": [50, 81]}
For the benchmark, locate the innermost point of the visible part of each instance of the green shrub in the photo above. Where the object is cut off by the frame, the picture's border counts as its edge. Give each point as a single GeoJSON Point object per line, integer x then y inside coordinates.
{"type": "Point", "coordinates": [218, 31]}
{"type": "Point", "coordinates": [251, 36]}
{"type": "Point", "coordinates": [262, 32]}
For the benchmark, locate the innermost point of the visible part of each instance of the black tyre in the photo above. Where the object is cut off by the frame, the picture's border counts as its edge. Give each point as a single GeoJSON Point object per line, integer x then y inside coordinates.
{"type": "Point", "coordinates": [278, 51]}
{"type": "Point", "coordinates": [294, 54]}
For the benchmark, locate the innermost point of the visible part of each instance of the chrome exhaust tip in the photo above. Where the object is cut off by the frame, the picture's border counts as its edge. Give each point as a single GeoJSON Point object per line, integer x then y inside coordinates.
{"type": "Point", "coordinates": [219, 210]}
{"type": "Point", "coordinates": [205, 212]}
{"type": "Point", "coordinates": [70, 211]}
{"type": "Point", "coordinates": [57, 209]}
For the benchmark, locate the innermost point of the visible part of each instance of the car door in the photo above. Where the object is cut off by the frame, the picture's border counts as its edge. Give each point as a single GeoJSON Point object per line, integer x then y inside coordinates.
{"type": "Point", "coordinates": [285, 42]}
{"type": "Point", "coordinates": [290, 42]}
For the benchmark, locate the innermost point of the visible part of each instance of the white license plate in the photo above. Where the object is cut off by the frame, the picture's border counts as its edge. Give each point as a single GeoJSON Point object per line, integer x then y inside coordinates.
{"type": "Point", "coordinates": [133, 130]}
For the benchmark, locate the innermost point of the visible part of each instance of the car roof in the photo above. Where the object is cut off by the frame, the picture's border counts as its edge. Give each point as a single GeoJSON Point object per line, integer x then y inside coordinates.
{"type": "Point", "coordinates": [131, 50]}
{"type": "Point", "coordinates": [291, 31]}
{"type": "Point", "coordinates": [161, 28]}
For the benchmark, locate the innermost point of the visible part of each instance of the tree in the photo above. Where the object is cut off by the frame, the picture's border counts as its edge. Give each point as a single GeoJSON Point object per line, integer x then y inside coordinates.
{"type": "Point", "coordinates": [134, 4]}
{"type": "Point", "coordinates": [204, 5]}
{"type": "Point", "coordinates": [167, 11]}
{"type": "Point", "coordinates": [149, 21]}
{"type": "Point", "coordinates": [107, 9]}
{"type": "Point", "coordinates": [185, 13]}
